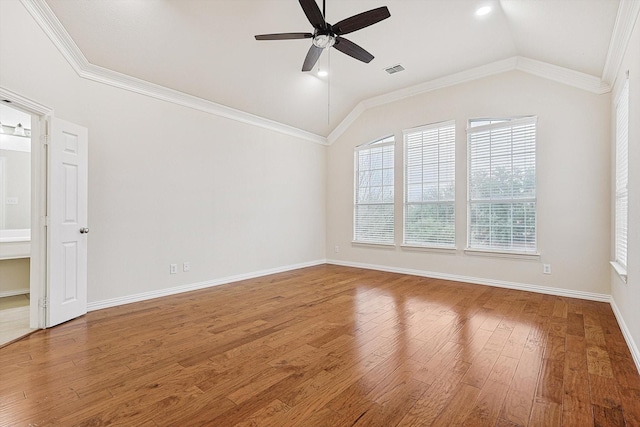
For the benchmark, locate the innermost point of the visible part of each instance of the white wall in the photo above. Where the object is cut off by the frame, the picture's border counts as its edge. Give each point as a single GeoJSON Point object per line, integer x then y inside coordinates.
{"type": "Point", "coordinates": [573, 181]}
{"type": "Point", "coordinates": [169, 184]}
{"type": "Point", "coordinates": [14, 276]}
{"type": "Point", "coordinates": [627, 295]}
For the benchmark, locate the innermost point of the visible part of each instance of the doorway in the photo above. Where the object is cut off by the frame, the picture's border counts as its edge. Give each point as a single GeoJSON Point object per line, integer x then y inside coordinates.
{"type": "Point", "coordinates": [15, 223]}
{"type": "Point", "coordinates": [58, 227]}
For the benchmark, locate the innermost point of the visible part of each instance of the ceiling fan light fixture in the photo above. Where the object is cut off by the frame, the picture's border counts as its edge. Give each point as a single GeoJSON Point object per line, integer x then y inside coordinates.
{"type": "Point", "coordinates": [324, 41]}
{"type": "Point", "coordinates": [323, 73]}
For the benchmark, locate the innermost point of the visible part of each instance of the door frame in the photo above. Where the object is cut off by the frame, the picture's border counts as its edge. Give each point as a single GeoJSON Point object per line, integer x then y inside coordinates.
{"type": "Point", "coordinates": [40, 115]}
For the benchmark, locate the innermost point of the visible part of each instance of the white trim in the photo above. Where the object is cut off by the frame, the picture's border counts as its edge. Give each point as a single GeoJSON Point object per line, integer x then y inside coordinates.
{"type": "Point", "coordinates": [591, 296]}
{"type": "Point", "coordinates": [620, 270]}
{"type": "Point", "coordinates": [500, 254]}
{"type": "Point", "coordinates": [14, 292]}
{"type": "Point", "coordinates": [438, 249]}
{"type": "Point", "coordinates": [633, 347]}
{"type": "Point", "coordinates": [374, 244]}
{"type": "Point", "coordinates": [628, 12]}
{"type": "Point", "coordinates": [541, 69]}
{"type": "Point", "coordinates": [24, 103]}
{"type": "Point", "coordinates": [439, 83]}
{"type": "Point", "coordinates": [429, 126]}
{"type": "Point", "coordinates": [127, 299]}
{"type": "Point", "coordinates": [56, 32]}
{"type": "Point", "coordinates": [44, 16]}
{"type": "Point", "coordinates": [508, 122]}
{"type": "Point", "coordinates": [563, 75]}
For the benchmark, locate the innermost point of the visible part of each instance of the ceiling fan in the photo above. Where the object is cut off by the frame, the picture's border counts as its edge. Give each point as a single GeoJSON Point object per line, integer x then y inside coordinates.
{"type": "Point", "coordinates": [326, 35]}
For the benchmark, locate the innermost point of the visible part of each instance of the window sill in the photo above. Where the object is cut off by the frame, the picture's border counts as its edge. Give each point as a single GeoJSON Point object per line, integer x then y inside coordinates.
{"type": "Point", "coordinates": [499, 254]}
{"type": "Point", "coordinates": [438, 249]}
{"type": "Point", "coordinates": [374, 245]}
{"type": "Point", "coordinates": [622, 271]}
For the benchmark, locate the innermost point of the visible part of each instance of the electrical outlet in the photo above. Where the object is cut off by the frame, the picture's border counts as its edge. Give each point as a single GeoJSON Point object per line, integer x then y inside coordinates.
{"type": "Point", "coordinates": [186, 266]}
{"type": "Point", "coordinates": [173, 268]}
{"type": "Point", "coordinates": [546, 268]}
{"type": "Point", "coordinates": [337, 249]}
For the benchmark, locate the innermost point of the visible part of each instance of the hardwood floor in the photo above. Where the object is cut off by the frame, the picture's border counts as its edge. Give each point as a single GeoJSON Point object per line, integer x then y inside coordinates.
{"type": "Point", "coordinates": [328, 346]}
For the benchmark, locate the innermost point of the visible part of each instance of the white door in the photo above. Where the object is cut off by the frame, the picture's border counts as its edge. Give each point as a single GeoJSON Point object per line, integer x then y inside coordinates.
{"type": "Point", "coordinates": [67, 222]}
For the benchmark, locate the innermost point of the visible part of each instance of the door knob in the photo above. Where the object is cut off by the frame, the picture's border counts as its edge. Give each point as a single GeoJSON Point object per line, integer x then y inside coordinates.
{"type": "Point", "coordinates": [84, 230]}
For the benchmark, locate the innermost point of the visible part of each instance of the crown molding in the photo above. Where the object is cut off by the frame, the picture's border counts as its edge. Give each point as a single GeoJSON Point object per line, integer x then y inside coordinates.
{"type": "Point", "coordinates": [628, 12]}
{"type": "Point", "coordinates": [56, 32]}
{"type": "Point", "coordinates": [54, 29]}
{"type": "Point", "coordinates": [24, 103]}
{"type": "Point", "coordinates": [439, 83]}
{"type": "Point", "coordinates": [541, 69]}
{"type": "Point", "coordinates": [563, 75]}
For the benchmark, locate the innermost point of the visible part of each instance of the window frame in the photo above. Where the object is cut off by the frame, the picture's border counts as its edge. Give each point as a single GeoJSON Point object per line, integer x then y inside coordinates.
{"type": "Point", "coordinates": [384, 142]}
{"type": "Point", "coordinates": [496, 124]}
{"type": "Point", "coordinates": [621, 183]}
{"type": "Point", "coordinates": [406, 134]}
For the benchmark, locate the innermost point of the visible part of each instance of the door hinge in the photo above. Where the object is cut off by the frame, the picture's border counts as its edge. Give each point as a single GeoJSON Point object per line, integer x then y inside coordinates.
{"type": "Point", "coordinates": [46, 221]}
{"type": "Point", "coordinates": [43, 303]}
{"type": "Point", "coordinates": [45, 134]}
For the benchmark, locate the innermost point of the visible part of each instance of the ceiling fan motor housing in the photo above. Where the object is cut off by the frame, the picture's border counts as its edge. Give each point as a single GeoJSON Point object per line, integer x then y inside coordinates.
{"type": "Point", "coordinates": [324, 38]}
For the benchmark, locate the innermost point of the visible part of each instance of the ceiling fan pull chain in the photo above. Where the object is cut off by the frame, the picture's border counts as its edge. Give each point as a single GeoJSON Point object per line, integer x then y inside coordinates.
{"type": "Point", "coordinates": [329, 88]}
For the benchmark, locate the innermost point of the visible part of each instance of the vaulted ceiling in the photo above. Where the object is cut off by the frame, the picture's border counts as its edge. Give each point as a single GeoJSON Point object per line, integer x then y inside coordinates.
{"type": "Point", "coordinates": [206, 48]}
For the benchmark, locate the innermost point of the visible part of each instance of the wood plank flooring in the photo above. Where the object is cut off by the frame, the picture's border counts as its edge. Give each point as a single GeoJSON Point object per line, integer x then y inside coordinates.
{"type": "Point", "coordinates": [328, 346]}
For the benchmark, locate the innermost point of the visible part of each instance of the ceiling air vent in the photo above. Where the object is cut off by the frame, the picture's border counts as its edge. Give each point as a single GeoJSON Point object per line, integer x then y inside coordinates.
{"type": "Point", "coordinates": [394, 69]}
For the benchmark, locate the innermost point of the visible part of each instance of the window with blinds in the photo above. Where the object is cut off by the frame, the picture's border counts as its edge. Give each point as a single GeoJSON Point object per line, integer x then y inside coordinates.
{"type": "Point", "coordinates": [374, 192]}
{"type": "Point", "coordinates": [429, 199]}
{"type": "Point", "coordinates": [622, 174]}
{"type": "Point", "coordinates": [502, 185]}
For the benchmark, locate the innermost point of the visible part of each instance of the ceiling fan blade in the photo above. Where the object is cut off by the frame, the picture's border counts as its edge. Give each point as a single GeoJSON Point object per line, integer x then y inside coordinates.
{"type": "Point", "coordinates": [284, 36]}
{"type": "Point", "coordinates": [313, 13]}
{"type": "Point", "coordinates": [361, 20]}
{"type": "Point", "coordinates": [353, 50]}
{"type": "Point", "coordinates": [312, 58]}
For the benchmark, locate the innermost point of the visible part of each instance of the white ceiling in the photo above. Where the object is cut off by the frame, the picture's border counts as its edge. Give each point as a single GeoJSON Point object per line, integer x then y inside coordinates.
{"type": "Point", "coordinates": [206, 48]}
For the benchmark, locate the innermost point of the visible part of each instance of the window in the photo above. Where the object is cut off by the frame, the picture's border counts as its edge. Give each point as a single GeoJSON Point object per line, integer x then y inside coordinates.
{"type": "Point", "coordinates": [429, 202]}
{"type": "Point", "coordinates": [622, 168]}
{"type": "Point", "coordinates": [502, 185]}
{"type": "Point", "coordinates": [373, 207]}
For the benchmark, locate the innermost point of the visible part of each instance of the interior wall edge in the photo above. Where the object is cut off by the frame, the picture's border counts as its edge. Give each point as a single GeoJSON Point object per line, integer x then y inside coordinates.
{"type": "Point", "coordinates": [591, 296]}
{"type": "Point", "coordinates": [633, 347]}
{"type": "Point", "coordinates": [128, 299]}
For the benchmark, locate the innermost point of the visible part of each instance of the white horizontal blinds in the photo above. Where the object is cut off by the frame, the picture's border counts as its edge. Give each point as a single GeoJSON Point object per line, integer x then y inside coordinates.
{"type": "Point", "coordinates": [374, 192]}
{"type": "Point", "coordinates": [502, 185]}
{"type": "Point", "coordinates": [430, 185]}
{"type": "Point", "coordinates": [622, 175]}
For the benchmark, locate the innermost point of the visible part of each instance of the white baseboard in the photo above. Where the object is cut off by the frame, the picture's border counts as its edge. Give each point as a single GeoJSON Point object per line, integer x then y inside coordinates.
{"type": "Point", "coordinates": [480, 281]}
{"type": "Point", "coordinates": [633, 348]}
{"type": "Point", "coordinates": [113, 302]}
{"type": "Point", "coordinates": [14, 292]}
